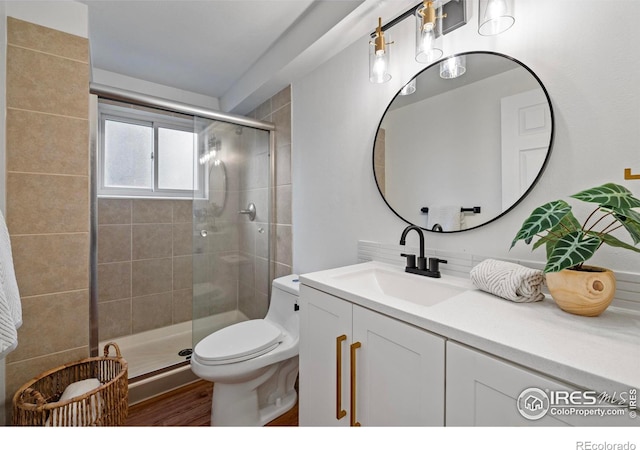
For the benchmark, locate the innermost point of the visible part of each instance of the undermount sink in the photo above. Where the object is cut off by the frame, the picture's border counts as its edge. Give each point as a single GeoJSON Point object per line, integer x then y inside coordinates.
{"type": "Point", "coordinates": [413, 288]}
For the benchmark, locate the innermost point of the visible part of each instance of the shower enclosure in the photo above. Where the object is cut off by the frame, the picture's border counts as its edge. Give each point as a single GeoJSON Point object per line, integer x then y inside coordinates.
{"type": "Point", "coordinates": [215, 269]}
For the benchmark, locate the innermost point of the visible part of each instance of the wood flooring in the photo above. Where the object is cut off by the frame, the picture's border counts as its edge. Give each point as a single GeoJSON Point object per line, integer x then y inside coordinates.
{"type": "Point", "coordinates": [188, 406]}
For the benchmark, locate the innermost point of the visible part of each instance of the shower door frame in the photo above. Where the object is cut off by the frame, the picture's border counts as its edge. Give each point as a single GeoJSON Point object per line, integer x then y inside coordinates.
{"type": "Point", "coordinates": [112, 93]}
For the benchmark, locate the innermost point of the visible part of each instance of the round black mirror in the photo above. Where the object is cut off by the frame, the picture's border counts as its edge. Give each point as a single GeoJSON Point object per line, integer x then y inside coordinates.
{"type": "Point", "coordinates": [458, 153]}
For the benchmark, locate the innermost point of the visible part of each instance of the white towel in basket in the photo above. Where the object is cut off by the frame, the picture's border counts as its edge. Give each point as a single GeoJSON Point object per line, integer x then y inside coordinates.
{"type": "Point", "coordinates": [10, 307]}
{"type": "Point", "coordinates": [509, 280]}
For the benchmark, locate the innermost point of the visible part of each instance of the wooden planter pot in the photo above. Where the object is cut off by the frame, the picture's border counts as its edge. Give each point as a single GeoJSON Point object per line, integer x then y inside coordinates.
{"type": "Point", "coordinates": [586, 292]}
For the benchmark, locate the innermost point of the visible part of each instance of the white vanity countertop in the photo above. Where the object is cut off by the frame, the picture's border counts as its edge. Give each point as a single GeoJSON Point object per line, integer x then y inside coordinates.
{"type": "Point", "coordinates": [598, 353]}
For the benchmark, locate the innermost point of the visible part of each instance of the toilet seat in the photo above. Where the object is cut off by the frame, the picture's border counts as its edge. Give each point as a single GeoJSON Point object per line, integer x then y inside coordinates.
{"type": "Point", "coordinates": [238, 342]}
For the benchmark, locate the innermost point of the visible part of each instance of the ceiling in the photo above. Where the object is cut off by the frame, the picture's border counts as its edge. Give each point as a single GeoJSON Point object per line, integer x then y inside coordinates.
{"type": "Point", "coordinates": [223, 49]}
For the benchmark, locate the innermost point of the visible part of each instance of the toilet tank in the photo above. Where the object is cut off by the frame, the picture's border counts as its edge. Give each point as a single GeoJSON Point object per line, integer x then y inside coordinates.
{"type": "Point", "coordinates": [284, 300]}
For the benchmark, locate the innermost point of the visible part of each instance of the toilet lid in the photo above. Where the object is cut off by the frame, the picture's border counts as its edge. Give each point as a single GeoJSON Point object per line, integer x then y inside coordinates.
{"type": "Point", "coordinates": [239, 342]}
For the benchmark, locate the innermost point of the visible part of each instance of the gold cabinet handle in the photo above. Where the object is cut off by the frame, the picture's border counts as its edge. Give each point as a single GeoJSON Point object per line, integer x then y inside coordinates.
{"type": "Point", "coordinates": [340, 413]}
{"type": "Point", "coordinates": [354, 347]}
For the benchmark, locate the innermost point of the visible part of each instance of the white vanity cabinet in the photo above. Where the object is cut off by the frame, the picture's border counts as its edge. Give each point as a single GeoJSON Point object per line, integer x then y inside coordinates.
{"type": "Point", "coordinates": [483, 390]}
{"type": "Point", "coordinates": [359, 367]}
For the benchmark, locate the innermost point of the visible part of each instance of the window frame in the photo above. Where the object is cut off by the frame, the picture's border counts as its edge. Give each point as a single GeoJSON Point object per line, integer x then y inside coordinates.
{"type": "Point", "coordinates": [129, 114]}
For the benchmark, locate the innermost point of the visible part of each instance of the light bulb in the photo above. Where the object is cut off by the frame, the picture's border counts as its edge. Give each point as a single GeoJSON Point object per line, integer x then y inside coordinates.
{"type": "Point", "coordinates": [379, 67]}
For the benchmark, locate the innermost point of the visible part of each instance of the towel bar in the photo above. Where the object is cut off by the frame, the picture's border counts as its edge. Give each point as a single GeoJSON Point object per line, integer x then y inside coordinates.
{"type": "Point", "coordinates": [475, 209]}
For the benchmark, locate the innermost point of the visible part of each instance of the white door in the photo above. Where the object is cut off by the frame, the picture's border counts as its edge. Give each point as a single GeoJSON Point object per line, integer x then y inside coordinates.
{"type": "Point", "coordinates": [399, 372]}
{"type": "Point", "coordinates": [526, 130]}
{"type": "Point", "coordinates": [325, 336]}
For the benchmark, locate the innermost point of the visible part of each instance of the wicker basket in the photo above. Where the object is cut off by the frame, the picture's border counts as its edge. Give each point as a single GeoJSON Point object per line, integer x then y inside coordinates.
{"type": "Point", "coordinates": [37, 403]}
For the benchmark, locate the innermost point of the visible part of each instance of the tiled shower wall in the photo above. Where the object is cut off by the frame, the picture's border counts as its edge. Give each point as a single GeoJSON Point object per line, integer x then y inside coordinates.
{"type": "Point", "coordinates": [144, 264]}
{"type": "Point", "coordinates": [47, 150]}
{"type": "Point", "coordinates": [278, 111]}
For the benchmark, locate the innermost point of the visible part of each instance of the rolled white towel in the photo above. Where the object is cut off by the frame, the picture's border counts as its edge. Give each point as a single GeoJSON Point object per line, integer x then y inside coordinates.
{"type": "Point", "coordinates": [509, 280]}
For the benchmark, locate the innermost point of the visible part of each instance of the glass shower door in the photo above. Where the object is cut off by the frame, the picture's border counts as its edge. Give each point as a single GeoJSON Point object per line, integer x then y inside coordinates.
{"type": "Point", "coordinates": [231, 226]}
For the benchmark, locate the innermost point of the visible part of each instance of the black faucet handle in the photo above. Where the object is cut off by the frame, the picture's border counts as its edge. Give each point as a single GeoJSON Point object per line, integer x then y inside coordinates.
{"type": "Point", "coordinates": [411, 260]}
{"type": "Point", "coordinates": [434, 264]}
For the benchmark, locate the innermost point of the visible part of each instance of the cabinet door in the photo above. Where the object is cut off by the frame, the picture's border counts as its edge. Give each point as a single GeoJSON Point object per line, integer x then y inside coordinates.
{"type": "Point", "coordinates": [399, 372]}
{"type": "Point", "coordinates": [482, 390]}
{"type": "Point", "coordinates": [323, 320]}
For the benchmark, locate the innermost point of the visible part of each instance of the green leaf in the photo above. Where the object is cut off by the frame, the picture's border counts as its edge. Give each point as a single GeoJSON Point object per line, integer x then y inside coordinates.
{"type": "Point", "coordinates": [609, 195]}
{"type": "Point", "coordinates": [631, 221]}
{"type": "Point", "coordinates": [573, 249]}
{"type": "Point", "coordinates": [568, 224]}
{"type": "Point", "coordinates": [542, 218]}
{"type": "Point", "coordinates": [615, 242]}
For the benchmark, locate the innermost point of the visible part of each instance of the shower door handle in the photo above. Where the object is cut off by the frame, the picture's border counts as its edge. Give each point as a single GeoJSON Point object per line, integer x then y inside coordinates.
{"type": "Point", "coordinates": [250, 211]}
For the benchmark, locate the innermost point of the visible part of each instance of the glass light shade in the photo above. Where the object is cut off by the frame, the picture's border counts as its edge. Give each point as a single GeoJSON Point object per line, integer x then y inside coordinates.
{"type": "Point", "coordinates": [429, 35]}
{"type": "Point", "coordinates": [379, 65]}
{"type": "Point", "coordinates": [453, 67]}
{"type": "Point", "coordinates": [495, 16]}
{"type": "Point", "coordinates": [409, 88]}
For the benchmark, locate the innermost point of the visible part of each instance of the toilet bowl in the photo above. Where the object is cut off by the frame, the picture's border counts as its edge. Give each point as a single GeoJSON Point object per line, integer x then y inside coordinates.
{"type": "Point", "coordinates": [254, 364]}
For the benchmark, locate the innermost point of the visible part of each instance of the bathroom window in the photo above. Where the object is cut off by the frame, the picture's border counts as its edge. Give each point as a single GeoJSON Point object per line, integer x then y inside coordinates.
{"type": "Point", "coordinates": [147, 154]}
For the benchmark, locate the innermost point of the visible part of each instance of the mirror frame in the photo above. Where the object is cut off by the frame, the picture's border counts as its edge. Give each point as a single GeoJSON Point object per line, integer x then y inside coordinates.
{"type": "Point", "coordinates": [538, 176]}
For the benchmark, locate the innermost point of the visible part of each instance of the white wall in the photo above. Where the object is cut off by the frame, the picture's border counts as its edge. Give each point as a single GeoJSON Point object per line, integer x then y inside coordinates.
{"type": "Point", "coordinates": [588, 62]}
{"type": "Point", "coordinates": [120, 81]}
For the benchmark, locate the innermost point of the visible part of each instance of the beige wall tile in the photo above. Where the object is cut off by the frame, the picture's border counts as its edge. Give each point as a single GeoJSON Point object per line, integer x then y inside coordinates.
{"type": "Point", "coordinates": [282, 119]}
{"type": "Point", "coordinates": [283, 165]}
{"type": "Point", "coordinates": [283, 205]}
{"type": "Point", "coordinates": [152, 211]}
{"type": "Point", "coordinates": [38, 203]}
{"type": "Point", "coordinates": [55, 323]}
{"type": "Point", "coordinates": [182, 272]}
{"type": "Point", "coordinates": [43, 143]}
{"type": "Point", "coordinates": [114, 319]}
{"type": "Point", "coordinates": [114, 211]}
{"type": "Point", "coordinates": [114, 243]}
{"type": "Point", "coordinates": [182, 239]}
{"type": "Point", "coordinates": [151, 241]}
{"type": "Point", "coordinates": [63, 91]}
{"type": "Point", "coordinates": [114, 281]}
{"type": "Point", "coordinates": [263, 111]}
{"type": "Point", "coordinates": [151, 276]}
{"type": "Point", "coordinates": [182, 211]}
{"type": "Point", "coordinates": [281, 99]}
{"type": "Point", "coordinates": [283, 244]}
{"type": "Point", "coordinates": [51, 263]}
{"type": "Point", "coordinates": [182, 305]}
{"type": "Point", "coordinates": [151, 311]}
{"type": "Point", "coordinates": [48, 40]}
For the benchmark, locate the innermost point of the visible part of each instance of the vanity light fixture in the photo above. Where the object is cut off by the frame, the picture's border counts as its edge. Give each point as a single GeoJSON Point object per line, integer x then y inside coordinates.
{"type": "Point", "coordinates": [379, 57]}
{"type": "Point", "coordinates": [495, 16]}
{"type": "Point", "coordinates": [453, 67]}
{"type": "Point", "coordinates": [409, 88]}
{"type": "Point", "coordinates": [429, 31]}
{"type": "Point", "coordinates": [434, 18]}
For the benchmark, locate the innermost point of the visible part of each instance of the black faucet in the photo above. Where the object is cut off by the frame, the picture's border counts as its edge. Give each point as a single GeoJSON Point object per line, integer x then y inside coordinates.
{"type": "Point", "coordinates": [430, 270]}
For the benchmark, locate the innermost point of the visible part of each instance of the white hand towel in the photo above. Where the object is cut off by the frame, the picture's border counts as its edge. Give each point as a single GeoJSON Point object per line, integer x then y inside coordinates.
{"type": "Point", "coordinates": [10, 306]}
{"type": "Point", "coordinates": [449, 217]}
{"type": "Point", "coordinates": [508, 280]}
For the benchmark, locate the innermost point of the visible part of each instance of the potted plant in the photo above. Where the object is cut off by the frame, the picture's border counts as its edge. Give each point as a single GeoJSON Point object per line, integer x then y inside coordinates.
{"type": "Point", "coordinates": [578, 288]}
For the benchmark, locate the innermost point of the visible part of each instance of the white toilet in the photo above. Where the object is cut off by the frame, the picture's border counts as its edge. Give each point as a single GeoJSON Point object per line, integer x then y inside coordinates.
{"type": "Point", "coordinates": [254, 364]}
